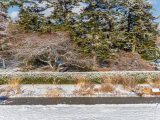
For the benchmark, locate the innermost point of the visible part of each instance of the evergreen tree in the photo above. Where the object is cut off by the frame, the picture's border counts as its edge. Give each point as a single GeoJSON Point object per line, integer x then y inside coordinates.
{"type": "Point", "coordinates": [63, 14]}
{"type": "Point", "coordinates": [96, 28]}
{"type": "Point", "coordinates": [103, 28]}
{"type": "Point", "coordinates": [140, 29]}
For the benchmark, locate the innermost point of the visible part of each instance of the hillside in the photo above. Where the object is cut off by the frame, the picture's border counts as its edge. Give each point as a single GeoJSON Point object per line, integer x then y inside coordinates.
{"type": "Point", "coordinates": [25, 50]}
{"type": "Point", "coordinates": [78, 36]}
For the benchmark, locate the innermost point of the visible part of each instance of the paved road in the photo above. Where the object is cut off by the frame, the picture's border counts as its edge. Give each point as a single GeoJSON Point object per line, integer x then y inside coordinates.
{"type": "Point", "coordinates": [80, 100]}
{"type": "Point", "coordinates": [81, 112]}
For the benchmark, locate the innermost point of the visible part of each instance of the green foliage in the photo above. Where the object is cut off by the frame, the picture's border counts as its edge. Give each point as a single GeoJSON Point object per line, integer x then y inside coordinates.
{"type": "Point", "coordinates": [103, 28]}
{"type": "Point", "coordinates": [29, 21]}
{"type": "Point", "coordinates": [47, 80]}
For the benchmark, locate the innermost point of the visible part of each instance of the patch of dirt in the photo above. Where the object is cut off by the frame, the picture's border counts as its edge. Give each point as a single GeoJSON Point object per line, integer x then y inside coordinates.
{"type": "Point", "coordinates": [129, 62]}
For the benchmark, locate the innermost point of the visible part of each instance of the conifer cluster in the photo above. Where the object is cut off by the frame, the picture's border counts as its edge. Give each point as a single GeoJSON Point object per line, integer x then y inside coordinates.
{"type": "Point", "coordinates": [102, 28]}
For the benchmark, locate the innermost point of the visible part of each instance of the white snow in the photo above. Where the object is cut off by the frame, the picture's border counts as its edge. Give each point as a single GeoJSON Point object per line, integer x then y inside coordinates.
{"type": "Point", "coordinates": [41, 91]}
{"type": "Point", "coordinates": [81, 112]}
{"type": "Point", "coordinates": [80, 8]}
{"type": "Point", "coordinates": [28, 5]}
{"type": "Point", "coordinates": [42, 4]}
{"type": "Point", "coordinates": [33, 3]}
{"type": "Point", "coordinates": [48, 12]}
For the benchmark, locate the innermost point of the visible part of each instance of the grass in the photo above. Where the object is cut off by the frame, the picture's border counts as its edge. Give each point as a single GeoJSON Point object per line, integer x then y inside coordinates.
{"type": "Point", "coordinates": [147, 91]}
{"type": "Point", "coordinates": [15, 85]}
{"type": "Point", "coordinates": [155, 82]}
{"type": "Point", "coordinates": [57, 92]}
{"type": "Point", "coordinates": [130, 81]}
{"type": "Point", "coordinates": [12, 87]}
{"type": "Point", "coordinates": [107, 84]}
{"type": "Point", "coordinates": [127, 82]}
{"type": "Point", "coordinates": [107, 87]}
{"type": "Point", "coordinates": [85, 87]}
{"type": "Point", "coordinates": [40, 80]}
{"type": "Point", "coordinates": [51, 80]}
{"type": "Point", "coordinates": [48, 80]}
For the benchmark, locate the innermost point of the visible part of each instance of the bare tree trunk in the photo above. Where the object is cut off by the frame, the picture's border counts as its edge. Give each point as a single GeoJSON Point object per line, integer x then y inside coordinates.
{"type": "Point", "coordinates": [94, 60]}
{"type": "Point", "coordinates": [3, 62]}
{"type": "Point", "coordinates": [134, 46]}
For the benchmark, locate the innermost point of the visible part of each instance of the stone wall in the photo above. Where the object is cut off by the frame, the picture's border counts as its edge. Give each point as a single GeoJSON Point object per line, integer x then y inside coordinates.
{"type": "Point", "coordinates": [85, 74]}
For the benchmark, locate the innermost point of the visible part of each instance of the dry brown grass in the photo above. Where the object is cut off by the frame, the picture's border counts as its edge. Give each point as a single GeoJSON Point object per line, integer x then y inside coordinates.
{"type": "Point", "coordinates": [147, 91]}
{"type": "Point", "coordinates": [107, 85]}
{"type": "Point", "coordinates": [85, 87]}
{"type": "Point", "coordinates": [155, 82]}
{"type": "Point", "coordinates": [84, 83]}
{"type": "Point", "coordinates": [143, 90]}
{"type": "Point", "coordinates": [4, 91]}
{"type": "Point", "coordinates": [106, 88]}
{"type": "Point", "coordinates": [87, 92]}
{"type": "Point", "coordinates": [115, 80]}
{"type": "Point", "coordinates": [57, 92]}
{"type": "Point", "coordinates": [15, 85]}
{"type": "Point", "coordinates": [127, 82]}
{"type": "Point", "coordinates": [150, 81]}
{"type": "Point", "coordinates": [127, 61]}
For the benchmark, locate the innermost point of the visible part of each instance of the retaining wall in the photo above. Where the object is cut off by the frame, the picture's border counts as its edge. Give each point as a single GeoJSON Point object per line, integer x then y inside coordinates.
{"type": "Point", "coordinates": [85, 74]}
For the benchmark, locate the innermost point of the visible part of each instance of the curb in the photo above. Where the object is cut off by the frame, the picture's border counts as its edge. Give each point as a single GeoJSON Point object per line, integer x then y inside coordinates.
{"type": "Point", "coordinates": [81, 100]}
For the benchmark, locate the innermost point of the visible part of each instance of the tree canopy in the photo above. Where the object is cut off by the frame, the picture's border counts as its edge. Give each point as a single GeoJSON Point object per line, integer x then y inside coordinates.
{"type": "Point", "coordinates": [102, 27]}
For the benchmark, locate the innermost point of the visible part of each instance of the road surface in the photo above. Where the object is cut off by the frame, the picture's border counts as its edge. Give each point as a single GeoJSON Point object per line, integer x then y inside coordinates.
{"type": "Point", "coordinates": [81, 112]}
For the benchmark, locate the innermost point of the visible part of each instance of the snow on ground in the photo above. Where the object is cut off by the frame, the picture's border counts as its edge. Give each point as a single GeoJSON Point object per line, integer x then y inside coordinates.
{"type": "Point", "coordinates": [41, 91]}
{"type": "Point", "coordinates": [81, 112]}
{"type": "Point", "coordinates": [48, 12]}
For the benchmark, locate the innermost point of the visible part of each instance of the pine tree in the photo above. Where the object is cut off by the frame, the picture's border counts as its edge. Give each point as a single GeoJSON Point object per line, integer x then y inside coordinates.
{"type": "Point", "coordinates": [96, 28]}
{"type": "Point", "coordinates": [63, 14]}
{"type": "Point", "coordinates": [103, 28]}
{"type": "Point", "coordinates": [29, 21]}
{"type": "Point", "coordinates": [139, 26]}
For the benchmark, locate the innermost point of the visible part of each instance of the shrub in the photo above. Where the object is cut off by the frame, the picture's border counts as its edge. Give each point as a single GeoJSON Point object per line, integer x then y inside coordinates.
{"type": "Point", "coordinates": [15, 85]}
{"type": "Point", "coordinates": [106, 88]}
{"type": "Point", "coordinates": [147, 91]}
{"type": "Point", "coordinates": [85, 87]}
{"type": "Point", "coordinates": [57, 92]}
{"type": "Point", "coordinates": [127, 82]}
{"type": "Point", "coordinates": [107, 84]}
